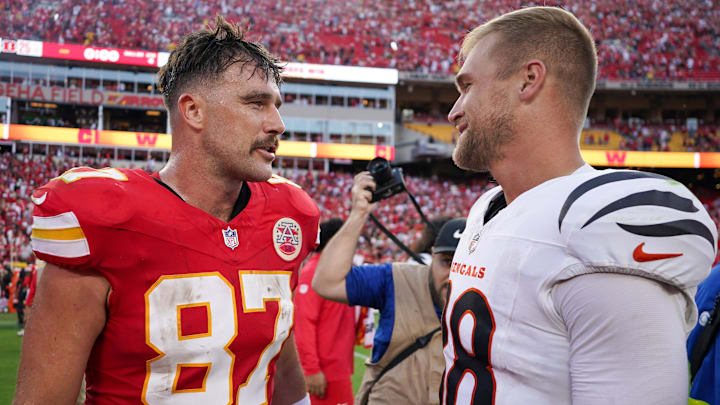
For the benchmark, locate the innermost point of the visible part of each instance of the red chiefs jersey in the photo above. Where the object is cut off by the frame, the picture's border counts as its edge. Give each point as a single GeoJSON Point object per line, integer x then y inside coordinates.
{"type": "Point", "coordinates": [199, 308]}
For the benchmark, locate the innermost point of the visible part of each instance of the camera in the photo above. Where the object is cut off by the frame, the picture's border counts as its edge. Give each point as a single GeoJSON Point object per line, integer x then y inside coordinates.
{"type": "Point", "coordinates": [388, 181]}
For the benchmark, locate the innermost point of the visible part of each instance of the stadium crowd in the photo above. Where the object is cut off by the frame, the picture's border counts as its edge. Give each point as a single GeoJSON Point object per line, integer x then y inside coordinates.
{"type": "Point", "coordinates": [437, 197]}
{"type": "Point", "coordinates": [21, 174]}
{"type": "Point", "coordinates": [637, 40]}
{"type": "Point", "coordinates": [656, 136]}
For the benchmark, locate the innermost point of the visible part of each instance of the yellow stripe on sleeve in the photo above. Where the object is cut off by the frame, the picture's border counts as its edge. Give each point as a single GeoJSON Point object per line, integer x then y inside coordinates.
{"type": "Point", "coordinates": [58, 234]}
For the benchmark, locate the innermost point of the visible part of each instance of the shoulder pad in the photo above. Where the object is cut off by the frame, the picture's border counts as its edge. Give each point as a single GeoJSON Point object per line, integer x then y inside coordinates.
{"type": "Point", "coordinates": [286, 198]}
{"type": "Point", "coordinates": [72, 209]}
{"type": "Point", "coordinates": [275, 179]}
{"type": "Point", "coordinates": [295, 195]}
{"type": "Point", "coordinates": [79, 173]}
{"type": "Point", "coordinates": [479, 208]}
{"type": "Point", "coordinates": [645, 222]}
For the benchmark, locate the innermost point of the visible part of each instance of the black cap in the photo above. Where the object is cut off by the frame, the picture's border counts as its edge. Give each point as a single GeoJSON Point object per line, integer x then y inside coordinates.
{"type": "Point", "coordinates": [327, 230]}
{"type": "Point", "coordinates": [449, 236]}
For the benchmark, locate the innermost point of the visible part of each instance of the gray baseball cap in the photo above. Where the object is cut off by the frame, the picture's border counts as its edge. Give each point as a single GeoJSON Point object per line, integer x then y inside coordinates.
{"type": "Point", "coordinates": [449, 236]}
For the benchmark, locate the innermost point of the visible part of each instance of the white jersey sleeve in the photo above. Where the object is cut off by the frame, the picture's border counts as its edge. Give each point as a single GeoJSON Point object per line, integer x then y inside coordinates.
{"type": "Point", "coordinates": [639, 224]}
{"type": "Point", "coordinates": [624, 366]}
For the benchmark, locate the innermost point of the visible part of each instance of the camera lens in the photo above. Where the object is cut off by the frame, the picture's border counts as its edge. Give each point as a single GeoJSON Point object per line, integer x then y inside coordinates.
{"type": "Point", "coordinates": [379, 168]}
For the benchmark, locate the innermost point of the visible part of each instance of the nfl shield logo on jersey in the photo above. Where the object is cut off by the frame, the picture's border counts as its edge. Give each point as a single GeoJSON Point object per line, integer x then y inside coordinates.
{"type": "Point", "coordinates": [287, 238]}
{"type": "Point", "coordinates": [474, 243]}
{"type": "Point", "coordinates": [231, 238]}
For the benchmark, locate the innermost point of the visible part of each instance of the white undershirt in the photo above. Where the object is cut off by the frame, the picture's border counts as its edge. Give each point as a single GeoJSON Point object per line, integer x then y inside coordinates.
{"type": "Point", "coordinates": [627, 340]}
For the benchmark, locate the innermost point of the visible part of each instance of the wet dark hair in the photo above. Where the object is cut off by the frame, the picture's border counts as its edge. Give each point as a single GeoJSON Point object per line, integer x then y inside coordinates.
{"type": "Point", "coordinates": [208, 53]}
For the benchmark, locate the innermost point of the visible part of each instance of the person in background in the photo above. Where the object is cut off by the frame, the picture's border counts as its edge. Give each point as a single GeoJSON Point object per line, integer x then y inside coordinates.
{"type": "Point", "coordinates": [423, 245]}
{"type": "Point", "coordinates": [406, 363]}
{"type": "Point", "coordinates": [20, 294]}
{"type": "Point", "coordinates": [31, 282]}
{"type": "Point", "coordinates": [703, 344]}
{"type": "Point", "coordinates": [5, 280]}
{"type": "Point", "coordinates": [324, 334]}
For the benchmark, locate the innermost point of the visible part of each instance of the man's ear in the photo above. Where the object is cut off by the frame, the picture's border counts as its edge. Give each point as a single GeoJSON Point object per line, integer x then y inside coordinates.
{"type": "Point", "coordinates": [191, 109]}
{"type": "Point", "coordinates": [533, 79]}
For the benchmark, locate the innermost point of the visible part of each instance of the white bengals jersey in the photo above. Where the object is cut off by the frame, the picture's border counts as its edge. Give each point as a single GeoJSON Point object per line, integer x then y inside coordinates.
{"type": "Point", "coordinates": [504, 341]}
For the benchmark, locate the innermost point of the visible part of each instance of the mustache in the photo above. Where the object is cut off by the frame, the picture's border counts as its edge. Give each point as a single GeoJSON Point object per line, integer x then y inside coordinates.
{"type": "Point", "coordinates": [273, 142]}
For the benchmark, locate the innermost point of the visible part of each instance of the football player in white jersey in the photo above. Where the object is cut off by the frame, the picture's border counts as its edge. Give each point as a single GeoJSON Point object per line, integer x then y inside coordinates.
{"type": "Point", "coordinates": [570, 285]}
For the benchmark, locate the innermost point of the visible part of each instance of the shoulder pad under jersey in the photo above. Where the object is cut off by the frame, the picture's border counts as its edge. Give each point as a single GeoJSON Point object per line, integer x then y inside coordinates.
{"type": "Point", "coordinates": [287, 196]}
{"type": "Point", "coordinates": [480, 207]}
{"type": "Point", "coordinates": [296, 197]}
{"type": "Point", "coordinates": [73, 210]}
{"type": "Point", "coordinates": [645, 223]}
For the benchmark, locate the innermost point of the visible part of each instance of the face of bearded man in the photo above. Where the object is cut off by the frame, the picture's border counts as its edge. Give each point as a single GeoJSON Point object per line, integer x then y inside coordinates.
{"type": "Point", "coordinates": [490, 126]}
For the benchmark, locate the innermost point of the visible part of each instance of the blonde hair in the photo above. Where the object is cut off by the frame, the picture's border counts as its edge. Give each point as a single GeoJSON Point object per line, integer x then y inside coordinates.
{"type": "Point", "coordinates": [549, 34]}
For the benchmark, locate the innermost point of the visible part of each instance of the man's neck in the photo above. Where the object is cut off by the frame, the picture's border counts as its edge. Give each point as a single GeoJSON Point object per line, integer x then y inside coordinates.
{"type": "Point", "coordinates": [523, 169]}
{"type": "Point", "coordinates": [199, 187]}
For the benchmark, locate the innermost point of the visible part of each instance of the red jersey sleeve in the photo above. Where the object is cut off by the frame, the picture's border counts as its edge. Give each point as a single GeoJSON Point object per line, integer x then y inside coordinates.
{"type": "Point", "coordinates": [73, 214]}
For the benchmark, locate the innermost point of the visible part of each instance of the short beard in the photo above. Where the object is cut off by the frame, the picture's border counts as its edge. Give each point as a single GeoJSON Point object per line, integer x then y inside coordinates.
{"type": "Point", "coordinates": [437, 300]}
{"type": "Point", "coordinates": [481, 144]}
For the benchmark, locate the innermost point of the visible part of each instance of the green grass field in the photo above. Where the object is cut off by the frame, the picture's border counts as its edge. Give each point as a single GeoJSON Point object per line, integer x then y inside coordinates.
{"type": "Point", "coordinates": [10, 355]}
{"type": "Point", "coordinates": [361, 354]}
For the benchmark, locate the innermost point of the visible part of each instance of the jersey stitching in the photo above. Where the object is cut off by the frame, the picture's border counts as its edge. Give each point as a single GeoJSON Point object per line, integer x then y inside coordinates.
{"type": "Point", "coordinates": [523, 238]}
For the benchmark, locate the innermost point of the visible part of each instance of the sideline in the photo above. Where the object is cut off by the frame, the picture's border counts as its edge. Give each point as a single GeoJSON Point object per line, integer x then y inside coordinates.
{"type": "Point", "coordinates": [361, 356]}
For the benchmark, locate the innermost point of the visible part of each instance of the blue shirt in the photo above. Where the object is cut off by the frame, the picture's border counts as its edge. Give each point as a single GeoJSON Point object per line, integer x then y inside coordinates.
{"type": "Point", "coordinates": [706, 384]}
{"type": "Point", "coordinates": [372, 286]}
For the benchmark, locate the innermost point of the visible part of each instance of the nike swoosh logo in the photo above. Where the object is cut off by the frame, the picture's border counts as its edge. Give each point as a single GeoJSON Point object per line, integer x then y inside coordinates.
{"type": "Point", "coordinates": [640, 256]}
{"type": "Point", "coordinates": [39, 200]}
{"type": "Point", "coordinates": [457, 234]}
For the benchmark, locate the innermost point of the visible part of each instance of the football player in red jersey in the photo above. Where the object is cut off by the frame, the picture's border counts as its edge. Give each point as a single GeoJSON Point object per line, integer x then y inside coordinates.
{"type": "Point", "coordinates": [175, 288]}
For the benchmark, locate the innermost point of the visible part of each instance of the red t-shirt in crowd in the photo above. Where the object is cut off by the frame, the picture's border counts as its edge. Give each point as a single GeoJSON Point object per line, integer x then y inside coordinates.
{"type": "Point", "coordinates": [324, 330]}
{"type": "Point", "coordinates": [32, 286]}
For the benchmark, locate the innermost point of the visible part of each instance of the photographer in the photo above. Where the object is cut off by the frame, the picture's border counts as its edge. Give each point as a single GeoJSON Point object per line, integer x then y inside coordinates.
{"type": "Point", "coordinates": [407, 363]}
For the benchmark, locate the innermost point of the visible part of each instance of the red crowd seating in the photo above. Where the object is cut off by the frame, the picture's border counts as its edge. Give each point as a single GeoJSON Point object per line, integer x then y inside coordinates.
{"type": "Point", "coordinates": [637, 39]}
